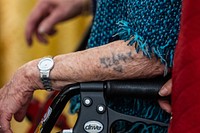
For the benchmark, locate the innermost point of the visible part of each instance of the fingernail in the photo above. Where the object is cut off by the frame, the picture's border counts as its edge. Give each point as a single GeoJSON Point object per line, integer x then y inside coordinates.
{"type": "Point", "coordinates": [163, 92]}
{"type": "Point", "coordinates": [41, 30]}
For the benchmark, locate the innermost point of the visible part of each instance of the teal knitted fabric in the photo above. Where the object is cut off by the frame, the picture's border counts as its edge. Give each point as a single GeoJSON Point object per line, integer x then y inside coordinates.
{"type": "Point", "coordinates": [153, 25]}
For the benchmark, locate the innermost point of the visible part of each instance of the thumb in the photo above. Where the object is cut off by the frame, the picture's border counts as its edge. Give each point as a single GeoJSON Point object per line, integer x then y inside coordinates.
{"type": "Point", "coordinates": [166, 89]}
{"type": "Point", "coordinates": [19, 115]}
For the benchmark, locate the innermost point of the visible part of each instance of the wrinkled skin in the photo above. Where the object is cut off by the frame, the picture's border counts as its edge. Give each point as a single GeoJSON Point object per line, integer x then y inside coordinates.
{"type": "Point", "coordinates": [17, 93]}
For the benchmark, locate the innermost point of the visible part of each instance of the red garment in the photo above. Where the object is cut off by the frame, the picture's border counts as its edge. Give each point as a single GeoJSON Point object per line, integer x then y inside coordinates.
{"type": "Point", "coordinates": [186, 72]}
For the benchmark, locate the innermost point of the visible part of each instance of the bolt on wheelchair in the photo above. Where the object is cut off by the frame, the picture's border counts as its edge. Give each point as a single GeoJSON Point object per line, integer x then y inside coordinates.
{"type": "Point", "coordinates": [95, 116]}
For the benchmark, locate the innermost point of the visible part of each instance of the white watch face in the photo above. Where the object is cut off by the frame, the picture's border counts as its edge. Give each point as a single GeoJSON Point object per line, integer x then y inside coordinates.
{"type": "Point", "coordinates": [46, 64]}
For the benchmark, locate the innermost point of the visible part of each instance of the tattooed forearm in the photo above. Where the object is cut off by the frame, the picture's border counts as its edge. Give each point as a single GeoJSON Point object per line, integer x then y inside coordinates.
{"type": "Point", "coordinates": [115, 61]}
{"type": "Point", "coordinates": [118, 68]}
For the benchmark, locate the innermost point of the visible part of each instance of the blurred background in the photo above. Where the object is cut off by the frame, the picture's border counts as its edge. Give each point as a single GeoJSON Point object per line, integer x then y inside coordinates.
{"type": "Point", "coordinates": [14, 51]}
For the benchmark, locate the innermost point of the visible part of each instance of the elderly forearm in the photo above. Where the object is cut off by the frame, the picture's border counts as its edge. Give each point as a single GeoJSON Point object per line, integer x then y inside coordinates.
{"type": "Point", "coordinates": [113, 61]}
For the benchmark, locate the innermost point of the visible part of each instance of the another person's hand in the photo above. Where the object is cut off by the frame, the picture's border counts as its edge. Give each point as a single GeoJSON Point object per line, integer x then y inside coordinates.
{"type": "Point", "coordinates": [47, 13]}
{"type": "Point", "coordinates": [165, 91]}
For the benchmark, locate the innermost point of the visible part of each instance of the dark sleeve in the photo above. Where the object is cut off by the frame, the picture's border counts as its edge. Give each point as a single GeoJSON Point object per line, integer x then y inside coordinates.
{"type": "Point", "coordinates": [186, 72]}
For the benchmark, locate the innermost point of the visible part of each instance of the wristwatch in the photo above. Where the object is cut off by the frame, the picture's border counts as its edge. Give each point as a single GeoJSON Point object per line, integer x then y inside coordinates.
{"type": "Point", "coordinates": [45, 65]}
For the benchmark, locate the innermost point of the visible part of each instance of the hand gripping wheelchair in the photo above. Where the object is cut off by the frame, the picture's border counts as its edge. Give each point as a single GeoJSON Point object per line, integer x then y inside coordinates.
{"type": "Point", "coordinates": [94, 115]}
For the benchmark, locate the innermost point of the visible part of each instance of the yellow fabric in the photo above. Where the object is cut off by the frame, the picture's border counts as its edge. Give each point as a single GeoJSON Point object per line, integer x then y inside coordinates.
{"type": "Point", "coordinates": [14, 51]}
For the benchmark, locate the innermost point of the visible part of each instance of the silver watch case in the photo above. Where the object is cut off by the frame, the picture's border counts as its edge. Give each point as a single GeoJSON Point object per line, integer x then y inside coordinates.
{"type": "Point", "coordinates": [45, 65]}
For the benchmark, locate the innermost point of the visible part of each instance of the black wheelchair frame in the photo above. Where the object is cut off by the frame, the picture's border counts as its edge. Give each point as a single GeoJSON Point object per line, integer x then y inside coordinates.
{"type": "Point", "coordinates": [94, 115]}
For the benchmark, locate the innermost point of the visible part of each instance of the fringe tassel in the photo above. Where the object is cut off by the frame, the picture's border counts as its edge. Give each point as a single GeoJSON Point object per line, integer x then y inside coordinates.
{"type": "Point", "coordinates": [164, 53]}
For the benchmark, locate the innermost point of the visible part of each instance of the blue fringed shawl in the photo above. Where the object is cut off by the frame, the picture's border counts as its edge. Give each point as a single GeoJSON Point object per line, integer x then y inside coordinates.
{"type": "Point", "coordinates": [153, 25]}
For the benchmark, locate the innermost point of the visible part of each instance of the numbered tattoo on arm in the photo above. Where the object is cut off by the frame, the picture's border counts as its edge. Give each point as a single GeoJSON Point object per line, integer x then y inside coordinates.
{"type": "Point", "coordinates": [116, 61]}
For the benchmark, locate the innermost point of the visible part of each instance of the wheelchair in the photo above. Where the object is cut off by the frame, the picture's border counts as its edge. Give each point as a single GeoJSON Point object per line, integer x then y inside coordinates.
{"type": "Point", "coordinates": [95, 116]}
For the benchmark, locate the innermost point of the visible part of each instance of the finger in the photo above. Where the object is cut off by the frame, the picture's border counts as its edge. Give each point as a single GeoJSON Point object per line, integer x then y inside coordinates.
{"type": "Point", "coordinates": [19, 116]}
{"type": "Point", "coordinates": [35, 18]}
{"type": "Point", "coordinates": [166, 88]}
{"type": "Point", "coordinates": [52, 32]}
{"type": "Point", "coordinates": [47, 25]}
{"type": "Point", "coordinates": [41, 38]}
{"type": "Point", "coordinates": [5, 122]}
{"type": "Point", "coordinates": [29, 30]}
{"type": "Point", "coordinates": [165, 105]}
